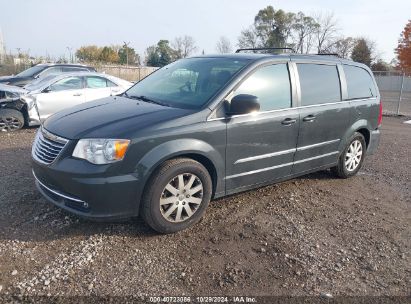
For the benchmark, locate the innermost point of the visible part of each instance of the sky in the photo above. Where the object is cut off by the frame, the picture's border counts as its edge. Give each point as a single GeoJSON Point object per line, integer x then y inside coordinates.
{"type": "Point", "coordinates": [50, 26]}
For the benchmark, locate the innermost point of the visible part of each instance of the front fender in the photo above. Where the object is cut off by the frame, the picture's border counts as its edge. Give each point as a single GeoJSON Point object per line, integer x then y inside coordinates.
{"type": "Point", "coordinates": [180, 147]}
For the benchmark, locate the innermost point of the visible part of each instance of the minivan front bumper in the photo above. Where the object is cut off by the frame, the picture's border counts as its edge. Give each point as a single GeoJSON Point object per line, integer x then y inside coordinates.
{"type": "Point", "coordinates": [98, 198]}
{"type": "Point", "coordinates": [374, 141]}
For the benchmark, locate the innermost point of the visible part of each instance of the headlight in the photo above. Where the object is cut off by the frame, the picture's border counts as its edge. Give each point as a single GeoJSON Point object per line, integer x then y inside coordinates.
{"type": "Point", "coordinates": [101, 151]}
{"type": "Point", "coordinates": [29, 100]}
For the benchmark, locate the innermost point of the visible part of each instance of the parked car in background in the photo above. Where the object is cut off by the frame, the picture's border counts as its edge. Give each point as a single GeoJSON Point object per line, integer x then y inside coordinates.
{"type": "Point", "coordinates": [206, 127]}
{"type": "Point", "coordinates": [40, 99]}
{"type": "Point", "coordinates": [43, 70]}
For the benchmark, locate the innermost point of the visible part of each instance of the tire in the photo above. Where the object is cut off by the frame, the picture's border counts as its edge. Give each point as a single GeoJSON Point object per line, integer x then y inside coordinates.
{"type": "Point", "coordinates": [168, 207]}
{"type": "Point", "coordinates": [11, 120]}
{"type": "Point", "coordinates": [352, 158]}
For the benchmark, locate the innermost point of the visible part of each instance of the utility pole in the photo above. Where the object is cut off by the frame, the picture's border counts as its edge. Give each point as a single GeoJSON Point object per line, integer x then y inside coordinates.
{"type": "Point", "coordinates": [70, 49]}
{"type": "Point", "coordinates": [126, 44]}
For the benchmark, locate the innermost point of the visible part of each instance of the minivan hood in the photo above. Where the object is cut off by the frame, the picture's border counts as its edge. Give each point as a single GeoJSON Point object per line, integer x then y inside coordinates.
{"type": "Point", "coordinates": [111, 117]}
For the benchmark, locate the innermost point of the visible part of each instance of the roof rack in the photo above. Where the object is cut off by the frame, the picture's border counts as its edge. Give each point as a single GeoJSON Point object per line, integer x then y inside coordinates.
{"type": "Point", "coordinates": [264, 49]}
{"type": "Point", "coordinates": [328, 54]}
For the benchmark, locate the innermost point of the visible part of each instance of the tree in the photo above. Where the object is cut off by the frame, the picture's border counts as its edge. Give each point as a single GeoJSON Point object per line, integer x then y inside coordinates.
{"type": "Point", "coordinates": [380, 65]}
{"type": "Point", "coordinates": [184, 46]}
{"type": "Point", "coordinates": [248, 38]}
{"type": "Point", "coordinates": [326, 32]}
{"type": "Point", "coordinates": [273, 27]}
{"type": "Point", "coordinates": [167, 54]}
{"type": "Point", "coordinates": [223, 45]}
{"type": "Point", "coordinates": [109, 55]}
{"type": "Point", "coordinates": [403, 49]}
{"type": "Point", "coordinates": [160, 55]}
{"type": "Point", "coordinates": [304, 27]}
{"type": "Point", "coordinates": [128, 55]}
{"type": "Point", "coordinates": [342, 46]}
{"type": "Point", "coordinates": [362, 52]}
{"type": "Point", "coordinates": [89, 53]}
{"type": "Point", "coordinates": [152, 56]}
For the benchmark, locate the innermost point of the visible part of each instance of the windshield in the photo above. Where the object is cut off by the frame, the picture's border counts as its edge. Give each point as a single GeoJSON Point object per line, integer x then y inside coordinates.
{"type": "Point", "coordinates": [30, 72]}
{"type": "Point", "coordinates": [187, 83]}
{"type": "Point", "coordinates": [38, 83]}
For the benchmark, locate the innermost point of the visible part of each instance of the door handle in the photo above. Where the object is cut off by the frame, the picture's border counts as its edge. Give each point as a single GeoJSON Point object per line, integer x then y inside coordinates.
{"type": "Point", "coordinates": [77, 94]}
{"type": "Point", "coordinates": [288, 121]}
{"type": "Point", "coordinates": [309, 118]}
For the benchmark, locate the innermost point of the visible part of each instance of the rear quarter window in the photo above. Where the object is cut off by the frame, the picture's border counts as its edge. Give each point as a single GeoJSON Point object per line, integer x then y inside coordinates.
{"type": "Point", "coordinates": [320, 83]}
{"type": "Point", "coordinates": [359, 82]}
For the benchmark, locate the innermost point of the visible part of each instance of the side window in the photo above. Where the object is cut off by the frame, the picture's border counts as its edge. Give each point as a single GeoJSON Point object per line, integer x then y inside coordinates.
{"type": "Point", "coordinates": [50, 71]}
{"type": "Point", "coordinates": [359, 82]}
{"type": "Point", "coordinates": [111, 84]}
{"type": "Point", "coordinates": [69, 83]}
{"type": "Point", "coordinates": [320, 83]}
{"type": "Point", "coordinates": [271, 84]}
{"type": "Point", "coordinates": [93, 82]}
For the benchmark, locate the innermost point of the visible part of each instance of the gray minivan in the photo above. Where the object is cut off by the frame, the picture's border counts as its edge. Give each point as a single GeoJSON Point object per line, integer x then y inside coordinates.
{"type": "Point", "coordinates": [205, 127]}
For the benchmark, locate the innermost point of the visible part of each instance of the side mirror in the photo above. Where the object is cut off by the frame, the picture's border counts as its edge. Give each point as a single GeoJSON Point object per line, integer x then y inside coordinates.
{"type": "Point", "coordinates": [46, 90]}
{"type": "Point", "coordinates": [244, 104]}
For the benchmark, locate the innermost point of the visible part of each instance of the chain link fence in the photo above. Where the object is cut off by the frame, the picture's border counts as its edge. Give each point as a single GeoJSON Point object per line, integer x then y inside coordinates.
{"type": "Point", "coordinates": [395, 89]}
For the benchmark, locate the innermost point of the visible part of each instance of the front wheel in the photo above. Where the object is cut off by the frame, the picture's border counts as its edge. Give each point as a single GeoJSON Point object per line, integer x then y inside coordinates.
{"type": "Point", "coordinates": [11, 120]}
{"type": "Point", "coordinates": [352, 158]}
{"type": "Point", "coordinates": [177, 195]}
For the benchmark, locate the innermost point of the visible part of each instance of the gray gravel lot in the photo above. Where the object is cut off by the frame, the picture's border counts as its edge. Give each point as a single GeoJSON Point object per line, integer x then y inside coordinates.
{"type": "Point", "coordinates": [312, 235]}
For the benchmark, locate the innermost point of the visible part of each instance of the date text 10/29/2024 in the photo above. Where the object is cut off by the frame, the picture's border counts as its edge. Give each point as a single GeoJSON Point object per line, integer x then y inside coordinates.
{"type": "Point", "coordinates": [187, 299]}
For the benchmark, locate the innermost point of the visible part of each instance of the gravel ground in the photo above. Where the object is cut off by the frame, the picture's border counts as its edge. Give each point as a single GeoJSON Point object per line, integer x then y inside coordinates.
{"type": "Point", "coordinates": [305, 237]}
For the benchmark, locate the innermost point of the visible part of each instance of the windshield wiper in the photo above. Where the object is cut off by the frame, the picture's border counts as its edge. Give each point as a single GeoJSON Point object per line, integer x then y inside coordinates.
{"type": "Point", "coordinates": [146, 99]}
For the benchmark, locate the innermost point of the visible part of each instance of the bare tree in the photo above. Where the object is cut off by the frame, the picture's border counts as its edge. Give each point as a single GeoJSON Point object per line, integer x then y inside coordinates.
{"type": "Point", "coordinates": [224, 45]}
{"type": "Point", "coordinates": [326, 32]}
{"type": "Point", "coordinates": [248, 38]}
{"type": "Point", "coordinates": [304, 29]}
{"type": "Point", "coordinates": [184, 46]}
{"type": "Point", "coordinates": [342, 46]}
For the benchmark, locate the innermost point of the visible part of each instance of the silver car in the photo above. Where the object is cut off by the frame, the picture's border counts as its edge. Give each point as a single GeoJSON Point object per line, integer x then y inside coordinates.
{"type": "Point", "coordinates": [44, 97]}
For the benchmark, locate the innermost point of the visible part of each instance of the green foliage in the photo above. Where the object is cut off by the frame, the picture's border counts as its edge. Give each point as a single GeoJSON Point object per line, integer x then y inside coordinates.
{"type": "Point", "coordinates": [133, 57]}
{"type": "Point", "coordinates": [161, 54]}
{"type": "Point", "coordinates": [273, 28]}
{"type": "Point", "coordinates": [381, 65]}
{"type": "Point", "coordinates": [108, 55]}
{"type": "Point", "coordinates": [362, 52]}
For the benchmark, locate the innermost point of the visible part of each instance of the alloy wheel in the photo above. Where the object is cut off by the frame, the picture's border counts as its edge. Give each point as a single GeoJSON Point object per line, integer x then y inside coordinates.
{"type": "Point", "coordinates": [181, 197]}
{"type": "Point", "coordinates": [353, 156]}
{"type": "Point", "coordinates": [9, 124]}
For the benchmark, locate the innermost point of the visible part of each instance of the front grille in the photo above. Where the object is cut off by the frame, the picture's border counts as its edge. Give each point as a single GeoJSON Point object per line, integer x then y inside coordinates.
{"type": "Point", "coordinates": [47, 146]}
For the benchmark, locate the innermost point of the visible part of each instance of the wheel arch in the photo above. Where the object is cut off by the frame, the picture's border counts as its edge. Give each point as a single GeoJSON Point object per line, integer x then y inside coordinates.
{"type": "Point", "coordinates": [195, 149]}
{"type": "Point", "coordinates": [362, 126]}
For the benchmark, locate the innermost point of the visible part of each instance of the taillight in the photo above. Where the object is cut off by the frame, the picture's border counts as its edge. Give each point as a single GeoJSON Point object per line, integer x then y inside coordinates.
{"type": "Point", "coordinates": [380, 115]}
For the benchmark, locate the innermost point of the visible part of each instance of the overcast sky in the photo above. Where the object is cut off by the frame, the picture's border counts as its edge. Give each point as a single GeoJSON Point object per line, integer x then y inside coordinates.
{"type": "Point", "coordinates": [49, 26]}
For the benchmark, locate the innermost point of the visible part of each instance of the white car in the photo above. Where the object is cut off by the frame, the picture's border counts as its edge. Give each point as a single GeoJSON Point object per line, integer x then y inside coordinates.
{"type": "Point", "coordinates": [44, 97]}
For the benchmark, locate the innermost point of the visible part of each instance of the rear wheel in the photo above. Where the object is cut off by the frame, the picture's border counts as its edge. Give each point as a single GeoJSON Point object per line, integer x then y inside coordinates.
{"type": "Point", "coordinates": [11, 120]}
{"type": "Point", "coordinates": [352, 158]}
{"type": "Point", "coordinates": [177, 195]}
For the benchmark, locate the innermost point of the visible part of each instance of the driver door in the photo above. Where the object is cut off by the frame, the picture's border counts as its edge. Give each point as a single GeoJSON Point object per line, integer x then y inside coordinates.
{"type": "Point", "coordinates": [261, 145]}
{"type": "Point", "coordinates": [63, 94]}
